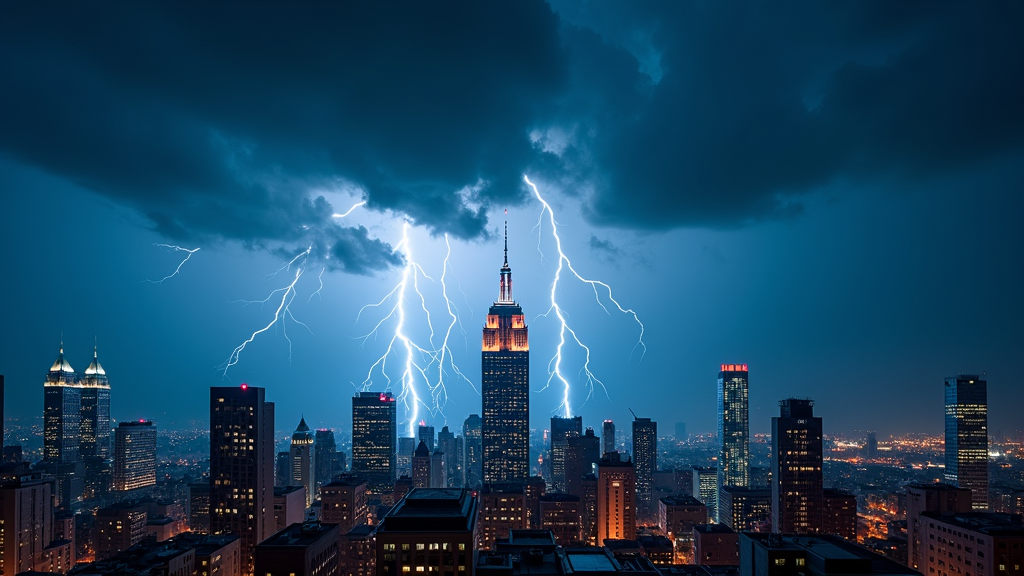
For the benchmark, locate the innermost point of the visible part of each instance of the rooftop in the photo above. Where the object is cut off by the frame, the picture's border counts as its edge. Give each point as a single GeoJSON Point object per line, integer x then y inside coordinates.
{"type": "Point", "coordinates": [300, 535]}
{"type": "Point", "coordinates": [432, 508]}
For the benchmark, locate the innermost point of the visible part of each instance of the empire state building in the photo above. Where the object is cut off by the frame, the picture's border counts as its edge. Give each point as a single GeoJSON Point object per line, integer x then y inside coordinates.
{"type": "Point", "coordinates": [506, 387]}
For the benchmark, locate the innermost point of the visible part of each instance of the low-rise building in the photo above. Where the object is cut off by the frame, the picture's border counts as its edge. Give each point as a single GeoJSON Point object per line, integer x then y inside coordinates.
{"type": "Point", "coordinates": [430, 530]}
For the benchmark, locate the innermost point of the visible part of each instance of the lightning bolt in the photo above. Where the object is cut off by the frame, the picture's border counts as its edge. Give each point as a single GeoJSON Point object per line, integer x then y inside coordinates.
{"type": "Point", "coordinates": [349, 211]}
{"type": "Point", "coordinates": [174, 248]}
{"type": "Point", "coordinates": [282, 312]}
{"type": "Point", "coordinates": [555, 364]}
{"type": "Point", "coordinates": [422, 365]}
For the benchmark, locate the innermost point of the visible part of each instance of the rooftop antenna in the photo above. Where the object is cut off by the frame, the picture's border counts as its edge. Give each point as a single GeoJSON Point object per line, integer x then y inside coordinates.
{"type": "Point", "coordinates": [633, 413]}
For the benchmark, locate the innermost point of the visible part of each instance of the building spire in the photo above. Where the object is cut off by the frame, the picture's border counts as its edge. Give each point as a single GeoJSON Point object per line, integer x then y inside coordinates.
{"type": "Point", "coordinates": [505, 293]}
{"type": "Point", "coordinates": [506, 240]}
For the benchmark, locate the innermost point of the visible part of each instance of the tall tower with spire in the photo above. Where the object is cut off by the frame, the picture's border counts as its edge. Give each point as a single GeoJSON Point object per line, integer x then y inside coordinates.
{"type": "Point", "coordinates": [303, 463]}
{"type": "Point", "coordinates": [95, 410]}
{"type": "Point", "coordinates": [505, 386]}
{"type": "Point", "coordinates": [62, 413]}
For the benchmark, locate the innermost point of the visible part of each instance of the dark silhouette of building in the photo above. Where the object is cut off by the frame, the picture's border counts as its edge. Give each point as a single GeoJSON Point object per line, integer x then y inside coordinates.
{"type": "Point", "coordinates": [325, 455]}
{"type": "Point", "coordinates": [733, 430]}
{"type": "Point", "coordinates": [242, 466]}
{"type": "Point", "coordinates": [421, 466]}
{"type": "Point", "coordinates": [119, 527]}
{"type": "Point", "coordinates": [373, 439]}
{"type": "Point", "coordinates": [715, 545]}
{"type": "Point", "coordinates": [289, 506]}
{"type": "Point", "coordinates": [134, 455]}
{"type": "Point", "coordinates": [199, 507]}
{"type": "Point", "coordinates": [562, 429]}
{"type": "Point", "coordinates": [588, 509]}
{"type": "Point", "coordinates": [616, 498]}
{"type": "Point", "coordinates": [560, 513]}
{"type": "Point", "coordinates": [797, 480]}
{"type": "Point", "coordinates": [62, 413]}
{"type": "Point", "coordinates": [839, 514]}
{"type": "Point", "coordinates": [677, 515]}
{"type": "Point", "coordinates": [427, 435]}
{"type": "Point", "coordinates": [95, 426]}
{"type": "Point", "coordinates": [967, 436]}
{"type": "Point", "coordinates": [746, 508]}
{"type": "Point", "coordinates": [447, 444]}
{"type": "Point", "coordinates": [608, 437]}
{"type": "Point", "coordinates": [283, 469]}
{"type": "Point", "coordinates": [871, 446]}
{"type": "Point", "coordinates": [472, 433]}
{"type": "Point", "coordinates": [535, 488]}
{"type": "Point", "coordinates": [432, 528]}
{"type": "Point", "coordinates": [645, 459]}
{"type": "Point", "coordinates": [505, 386]}
{"type": "Point", "coordinates": [937, 498]}
{"type": "Point", "coordinates": [358, 552]}
{"type": "Point", "coordinates": [343, 502]}
{"type": "Point", "coordinates": [581, 456]}
{"type": "Point", "coordinates": [769, 554]}
{"type": "Point", "coordinates": [309, 549]}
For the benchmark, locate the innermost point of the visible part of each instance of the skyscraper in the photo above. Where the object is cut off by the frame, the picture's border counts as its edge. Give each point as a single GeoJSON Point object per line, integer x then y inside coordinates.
{"type": "Point", "coordinates": [452, 466]}
{"type": "Point", "coordinates": [373, 439]}
{"type": "Point", "coordinates": [561, 430]}
{"type": "Point", "coordinates": [472, 433]}
{"type": "Point", "coordinates": [645, 458]}
{"type": "Point", "coordinates": [616, 498]}
{"type": "Point", "coordinates": [134, 455]}
{"type": "Point", "coordinates": [325, 455]}
{"type": "Point", "coordinates": [733, 430]}
{"type": "Point", "coordinates": [797, 480]}
{"type": "Point", "coordinates": [95, 410]}
{"type": "Point", "coordinates": [505, 383]}
{"type": "Point", "coordinates": [62, 413]}
{"type": "Point", "coordinates": [967, 436]}
{"type": "Point", "coordinates": [421, 466]}
{"type": "Point", "coordinates": [242, 466]}
{"type": "Point", "coordinates": [303, 465]}
{"type": "Point", "coordinates": [403, 456]}
{"type": "Point", "coordinates": [608, 437]}
{"type": "Point", "coordinates": [581, 456]}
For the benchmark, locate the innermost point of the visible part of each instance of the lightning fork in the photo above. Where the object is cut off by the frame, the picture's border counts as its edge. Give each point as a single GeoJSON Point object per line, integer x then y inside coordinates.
{"type": "Point", "coordinates": [174, 248]}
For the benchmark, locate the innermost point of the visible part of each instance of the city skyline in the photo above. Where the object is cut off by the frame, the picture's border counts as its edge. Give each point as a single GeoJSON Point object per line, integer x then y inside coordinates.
{"type": "Point", "coordinates": [781, 218]}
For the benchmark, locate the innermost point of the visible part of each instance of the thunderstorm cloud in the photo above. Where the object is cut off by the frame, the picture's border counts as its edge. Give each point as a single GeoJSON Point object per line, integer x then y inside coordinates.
{"type": "Point", "coordinates": [217, 120]}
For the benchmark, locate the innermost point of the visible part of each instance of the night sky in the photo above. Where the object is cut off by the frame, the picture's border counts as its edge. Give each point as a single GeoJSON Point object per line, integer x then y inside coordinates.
{"type": "Point", "coordinates": [828, 192]}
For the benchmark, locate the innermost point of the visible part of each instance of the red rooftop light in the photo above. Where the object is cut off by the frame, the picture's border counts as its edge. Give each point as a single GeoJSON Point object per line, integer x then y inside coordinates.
{"type": "Point", "coordinates": [245, 386]}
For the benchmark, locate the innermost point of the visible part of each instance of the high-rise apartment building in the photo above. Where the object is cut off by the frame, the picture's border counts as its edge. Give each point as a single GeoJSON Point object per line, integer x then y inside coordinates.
{"type": "Point", "coordinates": [242, 466]}
{"type": "Point", "coordinates": [967, 436]}
{"type": "Point", "coordinates": [705, 481]}
{"type": "Point", "coordinates": [505, 386]}
{"type": "Point", "coordinates": [134, 455]}
{"type": "Point", "coordinates": [452, 465]}
{"type": "Point", "coordinates": [95, 426]}
{"type": "Point", "coordinates": [62, 413]}
{"type": "Point", "coordinates": [562, 429]}
{"type": "Point", "coordinates": [616, 498]}
{"type": "Point", "coordinates": [472, 434]}
{"type": "Point", "coordinates": [608, 437]}
{"type": "Point", "coordinates": [325, 456]}
{"type": "Point", "coordinates": [797, 479]}
{"type": "Point", "coordinates": [733, 429]}
{"type": "Point", "coordinates": [373, 439]}
{"type": "Point", "coordinates": [26, 523]}
{"type": "Point", "coordinates": [302, 464]}
{"type": "Point", "coordinates": [937, 498]}
{"type": "Point", "coordinates": [974, 543]}
{"type": "Point", "coordinates": [645, 459]}
{"type": "Point", "coordinates": [581, 456]}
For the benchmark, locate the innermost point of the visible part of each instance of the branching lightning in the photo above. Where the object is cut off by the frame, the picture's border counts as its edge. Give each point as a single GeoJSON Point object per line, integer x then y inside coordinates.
{"type": "Point", "coordinates": [349, 211]}
{"type": "Point", "coordinates": [174, 248]}
{"type": "Point", "coordinates": [424, 364]}
{"type": "Point", "coordinates": [555, 364]}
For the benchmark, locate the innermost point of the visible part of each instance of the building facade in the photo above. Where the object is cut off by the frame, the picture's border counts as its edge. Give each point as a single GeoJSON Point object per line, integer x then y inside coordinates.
{"type": "Point", "coordinates": [971, 544]}
{"type": "Point", "coordinates": [645, 459]}
{"type": "Point", "coordinates": [967, 436]}
{"type": "Point", "coordinates": [733, 428]}
{"type": "Point", "coordinates": [95, 425]}
{"type": "Point", "coordinates": [134, 455]}
{"type": "Point", "coordinates": [797, 477]}
{"type": "Point", "coordinates": [430, 531]}
{"type": "Point", "coordinates": [302, 462]}
{"type": "Point", "coordinates": [62, 413]}
{"type": "Point", "coordinates": [472, 434]}
{"type": "Point", "coordinates": [373, 439]}
{"type": "Point", "coordinates": [616, 498]}
{"type": "Point", "coordinates": [505, 387]}
{"type": "Point", "coordinates": [937, 498]}
{"type": "Point", "coordinates": [562, 429]}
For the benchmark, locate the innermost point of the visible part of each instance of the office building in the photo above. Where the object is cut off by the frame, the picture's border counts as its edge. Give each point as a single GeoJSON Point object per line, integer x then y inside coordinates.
{"type": "Point", "coordinates": [715, 545]}
{"type": "Point", "coordinates": [681, 432]}
{"type": "Point", "coordinates": [501, 508]}
{"type": "Point", "coordinates": [358, 552]}
{"type": "Point", "coordinates": [472, 434]}
{"type": "Point", "coordinates": [119, 527]}
{"type": "Point", "coordinates": [134, 455]}
{"type": "Point", "coordinates": [797, 480]}
{"type": "Point", "coordinates": [242, 466]}
{"type": "Point", "coordinates": [588, 510]}
{"type": "Point", "coordinates": [535, 488]}
{"type": "Point", "coordinates": [608, 437]}
{"type": "Point", "coordinates": [677, 515]}
{"type": "Point", "coordinates": [562, 428]}
{"type": "Point", "coordinates": [705, 488]}
{"type": "Point", "coordinates": [403, 458]}
{"type": "Point", "coordinates": [421, 466]}
{"type": "Point", "coordinates": [95, 423]}
{"type": "Point", "coordinates": [974, 543]}
{"type": "Point", "coordinates": [373, 439]}
{"type": "Point", "coordinates": [616, 498]}
{"type": "Point", "coordinates": [452, 462]}
{"type": "Point", "coordinates": [283, 469]}
{"type": "Point", "coordinates": [199, 508]}
{"type": "Point", "coordinates": [62, 413]}
{"type": "Point", "coordinates": [438, 469]}
{"type": "Point", "coordinates": [26, 523]}
{"type": "Point", "coordinates": [560, 513]}
{"type": "Point", "coordinates": [733, 429]}
{"type": "Point", "coordinates": [505, 386]}
{"type": "Point", "coordinates": [645, 459]}
{"type": "Point", "coordinates": [426, 435]}
{"type": "Point", "coordinates": [343, 502]}
{"type": "Point", "coordinates": [325, 457]}
{"type": "Point", "coordinates": [937, 498]}
{"type": "Point", "coordinates": [289, 506]}
{"type": "Point", "coordinates": [871, 446]}
{"type": "Point", "coordinates": [306, 549]}
{"type": "Point", "coordinates": [839, 514]}
{"type": "Point", "coordinates": [581, 456]}
{"type": "Point", "coordinates": [300, 456]}
{"type": "Point", "coordinates": [432, 529]}
{"type": "Point", "coordinates": [745, 509]}
{"type": "Point", "coordinates": [769, 554]}
{"type": "Point", "coordinates": [967, 436]}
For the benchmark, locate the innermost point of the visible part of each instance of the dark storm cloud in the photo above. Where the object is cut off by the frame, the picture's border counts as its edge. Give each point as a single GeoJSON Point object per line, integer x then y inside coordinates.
{"type": "Point", "coordinates": [606, 246]}
{"type": "Point", "coordinates": [218, 120]}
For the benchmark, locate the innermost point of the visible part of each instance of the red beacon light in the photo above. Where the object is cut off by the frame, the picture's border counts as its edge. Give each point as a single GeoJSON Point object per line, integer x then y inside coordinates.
{"type": "Point", "coordinates": [245, 386]}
